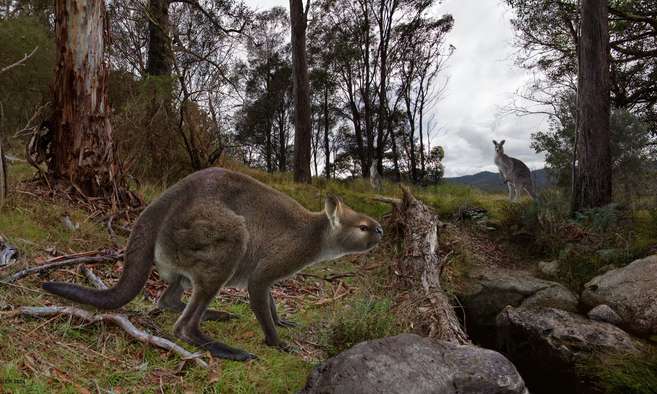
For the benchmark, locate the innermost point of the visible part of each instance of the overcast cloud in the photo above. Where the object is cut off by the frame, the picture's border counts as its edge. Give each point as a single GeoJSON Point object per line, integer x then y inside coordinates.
{"type": "Point", "coordinates": [482, 78]}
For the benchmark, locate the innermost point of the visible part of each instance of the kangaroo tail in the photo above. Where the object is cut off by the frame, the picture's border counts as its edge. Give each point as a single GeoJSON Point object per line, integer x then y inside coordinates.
{"type": "Point", "coordinates": [138, 263]}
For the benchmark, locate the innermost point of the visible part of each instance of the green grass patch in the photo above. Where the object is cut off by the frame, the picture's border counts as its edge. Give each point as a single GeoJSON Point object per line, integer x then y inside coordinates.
{"type": "Point", "coordinates": [362, 320]}
{"type": "Point", "coordinates": [619, 374]}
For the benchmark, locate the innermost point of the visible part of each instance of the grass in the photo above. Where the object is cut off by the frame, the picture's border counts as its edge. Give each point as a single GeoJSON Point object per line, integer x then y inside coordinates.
{"type": "Point", "coordinates": [64, 356]}
{"type": "Point", "coordinates": [622, 374]}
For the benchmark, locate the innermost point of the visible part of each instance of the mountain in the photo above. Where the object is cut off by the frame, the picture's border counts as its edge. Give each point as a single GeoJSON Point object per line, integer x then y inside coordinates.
{"type": "Point", "coordinates": [492, 181]}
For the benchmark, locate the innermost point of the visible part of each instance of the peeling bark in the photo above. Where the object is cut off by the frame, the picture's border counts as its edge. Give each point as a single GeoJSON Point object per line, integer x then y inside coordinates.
{"type": "Point", "coordinates": [418, 269]}
{"type": "Point", "coordinates": [83, 153]}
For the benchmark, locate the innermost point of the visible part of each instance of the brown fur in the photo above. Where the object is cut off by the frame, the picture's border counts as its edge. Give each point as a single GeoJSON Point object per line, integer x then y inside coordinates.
{"type": "Point", "coordinates": [219, 228]}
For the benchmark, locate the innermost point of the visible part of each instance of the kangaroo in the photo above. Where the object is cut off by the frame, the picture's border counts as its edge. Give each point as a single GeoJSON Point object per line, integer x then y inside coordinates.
{"type": "Point", "coordinates": [375, 178]}
{"type": "Point", "coordinates": [515, 173]}
{"type": "Point", "coordinates": [219, 228]}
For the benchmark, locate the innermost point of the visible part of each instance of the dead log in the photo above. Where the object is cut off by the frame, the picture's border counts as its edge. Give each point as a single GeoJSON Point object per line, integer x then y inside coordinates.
{"type": "Point", "coordinates": [418, 267]}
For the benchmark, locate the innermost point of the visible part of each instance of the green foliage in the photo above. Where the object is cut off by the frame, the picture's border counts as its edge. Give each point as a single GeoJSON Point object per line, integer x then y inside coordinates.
{"type": "Point", "coordinates": [364, 320]}
{"type": "Point", "coordinates": [147, 130]}
{"type": "Point", "coordinates": [25, 87]}
{"type": "Point", "coordinates": [620, 374]}
{"type": "Point", "coordinates": [599, 219]}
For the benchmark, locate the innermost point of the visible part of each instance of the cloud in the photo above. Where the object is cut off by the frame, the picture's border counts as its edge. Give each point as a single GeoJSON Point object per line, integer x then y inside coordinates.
{"type": "Point", "coordinates": [482, 78]}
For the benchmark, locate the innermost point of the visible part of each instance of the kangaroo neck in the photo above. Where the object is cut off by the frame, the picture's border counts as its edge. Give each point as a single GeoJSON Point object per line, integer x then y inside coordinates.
{"type": "Point", "coordinates": [315, 240]}
{"type": "Point", "coordinates": [502, 158]}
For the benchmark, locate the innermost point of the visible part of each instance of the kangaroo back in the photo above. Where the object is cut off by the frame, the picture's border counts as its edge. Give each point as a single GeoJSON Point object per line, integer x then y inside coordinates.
{"type": "Point", "coordinates": [137, 267]}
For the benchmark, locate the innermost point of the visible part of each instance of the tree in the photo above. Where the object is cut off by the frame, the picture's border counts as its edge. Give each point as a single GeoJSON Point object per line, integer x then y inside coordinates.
{"type": "Point", "coordinates": [592, 184]}
{"type": "Point", "coordinates": [302, 115]}
{"type": "Point", "coordinates": [82, 153]}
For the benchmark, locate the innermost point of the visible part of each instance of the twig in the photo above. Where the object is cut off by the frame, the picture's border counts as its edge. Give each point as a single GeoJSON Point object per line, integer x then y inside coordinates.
{"type": "Point", "coordinates": [329, 278]}
{"type": "Point", "coordinates": [91, 277]}
{"type": "Point", "coordinates": [18, 63]}
{"type": "Point", "coordinates": [120, 320]}
{"type": "Point", "coordinates": [66, 263]}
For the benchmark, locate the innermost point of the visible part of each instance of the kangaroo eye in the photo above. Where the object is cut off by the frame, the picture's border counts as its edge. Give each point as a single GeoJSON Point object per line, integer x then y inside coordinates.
{"type": "Point", "coordinates": [364, 228]}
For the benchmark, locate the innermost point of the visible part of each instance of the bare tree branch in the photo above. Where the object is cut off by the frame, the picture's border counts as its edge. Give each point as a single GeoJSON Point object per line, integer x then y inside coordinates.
{"type": "Point", "coordinates": [20, 62]}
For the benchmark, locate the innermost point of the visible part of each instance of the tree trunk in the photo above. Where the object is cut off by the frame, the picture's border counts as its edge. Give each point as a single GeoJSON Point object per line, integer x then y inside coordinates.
{"type": "Point", "coordinates": [302, 126]}
{"type": "Point", "coordinates": [593, 180]}
{"type": "Point", "coordinates": [395, 155]}
{"type": "Point", "coordinates": [3, 176]}
{"type": "Point", "coordinates": [83, 153]}
{"type": "Point", "coordinates": [282, 148]}
{"type": "Point", "coordinates": [327, 146]}
{"type": "Point", "coordinates": [159, 40]}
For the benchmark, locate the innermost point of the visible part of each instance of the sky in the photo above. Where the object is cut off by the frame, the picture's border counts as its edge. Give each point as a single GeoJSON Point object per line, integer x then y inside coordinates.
{"type": "Point", "coordinates": [482, 79]}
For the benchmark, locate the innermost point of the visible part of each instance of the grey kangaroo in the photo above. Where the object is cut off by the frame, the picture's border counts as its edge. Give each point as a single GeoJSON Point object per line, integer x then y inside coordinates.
{"type": "Point", "coordinates": [218, 228]}
{"type": "Point", "coordinates": [515, 173]}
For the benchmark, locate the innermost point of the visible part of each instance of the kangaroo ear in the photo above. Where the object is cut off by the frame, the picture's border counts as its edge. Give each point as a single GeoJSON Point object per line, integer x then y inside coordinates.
{"type": "Point", "coordinates": [333, 208]}
{"type": "Point", "coordinates": [494, 142]}
{"type": "Point", "coordinates": [502, 142]}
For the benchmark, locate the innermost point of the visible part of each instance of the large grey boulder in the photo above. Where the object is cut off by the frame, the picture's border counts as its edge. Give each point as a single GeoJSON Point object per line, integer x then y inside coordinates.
{"type": "Point", "coordinates": [486, 291]}
{"type": "Point", "coordinates": [412, 364]}
{"type": "Point", "coordinates": [548, 344]}
{"type": "Point", "coordinates": [631, 292]}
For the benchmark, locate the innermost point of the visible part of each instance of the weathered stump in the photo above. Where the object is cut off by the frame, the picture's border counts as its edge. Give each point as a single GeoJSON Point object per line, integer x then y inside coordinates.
{"type": "Point", "coordinates": [418, 268]}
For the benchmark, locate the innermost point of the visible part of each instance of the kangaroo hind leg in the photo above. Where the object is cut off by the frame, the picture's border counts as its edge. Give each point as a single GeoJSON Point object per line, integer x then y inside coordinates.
{"type": "Point", "coordinates": [171, 300]}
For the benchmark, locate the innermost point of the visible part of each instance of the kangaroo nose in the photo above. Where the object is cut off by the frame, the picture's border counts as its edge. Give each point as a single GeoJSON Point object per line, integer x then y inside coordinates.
{"type": "Point", "coordinates": [379, 230]}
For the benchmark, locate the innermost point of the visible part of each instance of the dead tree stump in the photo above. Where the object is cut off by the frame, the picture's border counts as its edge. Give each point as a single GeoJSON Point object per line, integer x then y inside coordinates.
{"type": "Point", "coordinates": [418, 267]}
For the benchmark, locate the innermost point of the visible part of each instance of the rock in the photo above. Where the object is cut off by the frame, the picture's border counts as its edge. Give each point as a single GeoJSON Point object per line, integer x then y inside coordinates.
{"type": "Point", "coordinates": [409, 363]}
{"type": "Point", "coordinates": [604, 313]}
{"type": "Point", "coordinates": [549, 344]}
{"type": "Point", "coordinates": [631, 291]}
{"type": "Point", "coordinates": [487, 291]}
{"type": "Point", "coordinates": [549, 268]}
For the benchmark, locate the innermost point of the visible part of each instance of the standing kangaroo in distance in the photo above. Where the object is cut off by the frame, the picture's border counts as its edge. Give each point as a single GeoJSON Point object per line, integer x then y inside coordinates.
{"type": "Point", "coordinates": [375, 178]}
{"type": "Point", "coordinates": [218, 228]}
{"type": "Point", "coordinates": [515, 173]}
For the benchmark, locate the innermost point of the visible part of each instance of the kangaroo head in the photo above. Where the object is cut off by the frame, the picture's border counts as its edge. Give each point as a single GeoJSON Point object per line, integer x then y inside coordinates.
{"type": "Point", "coordinates": [499, 147]}
{"type": "Point", "coordinates": [350, 231]}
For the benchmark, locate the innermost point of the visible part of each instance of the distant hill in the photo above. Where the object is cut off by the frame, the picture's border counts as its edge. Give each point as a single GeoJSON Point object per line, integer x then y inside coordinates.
{"type": "Point", "coordinates": [492, 181]}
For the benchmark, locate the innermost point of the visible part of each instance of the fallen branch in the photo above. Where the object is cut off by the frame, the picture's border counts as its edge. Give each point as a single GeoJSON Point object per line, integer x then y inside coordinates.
{"type": "Point", "coordinates": [59, 264]}
{"type": "Point", "coordinates": [120, 320]}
